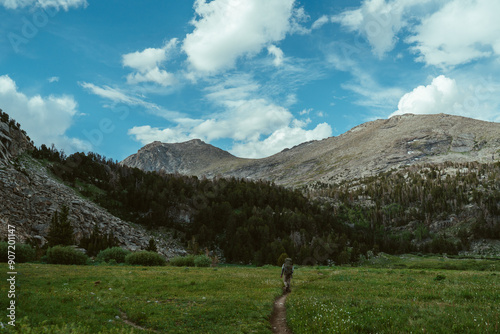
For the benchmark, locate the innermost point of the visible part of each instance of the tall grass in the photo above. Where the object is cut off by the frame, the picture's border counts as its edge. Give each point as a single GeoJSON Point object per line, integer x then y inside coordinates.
{"type": "Point", "coordinates": [108, 299]}
{"type": "Point", "coordinates": [384, 297]}
{"type": "Point", "coordinates": [366, 300]}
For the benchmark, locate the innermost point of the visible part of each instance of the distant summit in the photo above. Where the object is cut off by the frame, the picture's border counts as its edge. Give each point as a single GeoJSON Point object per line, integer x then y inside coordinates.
{"type": "Point", "coordinates": [365, 150]}
{"type": "Point", "coordinates": [191, 157]}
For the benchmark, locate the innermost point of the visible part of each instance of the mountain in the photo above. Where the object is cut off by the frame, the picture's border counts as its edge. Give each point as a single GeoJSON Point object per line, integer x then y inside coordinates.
{"type": "Point", "coordinates": [365, 150]}
{"type": "Point", "coordinates": [449, 204]}
{"type": "Point", "coordinates": [193, 157]}
{"type": "Point", "coordinates": [30, 194]}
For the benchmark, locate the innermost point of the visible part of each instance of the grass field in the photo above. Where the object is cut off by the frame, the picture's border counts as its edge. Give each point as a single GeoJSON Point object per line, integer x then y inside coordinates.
{"type": "Point", "coordinates": [383, 297]}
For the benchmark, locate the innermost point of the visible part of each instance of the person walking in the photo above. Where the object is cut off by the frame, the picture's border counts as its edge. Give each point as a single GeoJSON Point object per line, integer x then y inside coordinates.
{"type": "Point", "coordinates": [287, 271]}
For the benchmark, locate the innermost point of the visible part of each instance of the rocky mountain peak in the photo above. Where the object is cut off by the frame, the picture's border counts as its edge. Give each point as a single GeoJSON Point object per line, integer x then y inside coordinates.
{"type": "Point", "coordinates": [184, 158]}
{"type": "Point", "coordinates": [365, 150]}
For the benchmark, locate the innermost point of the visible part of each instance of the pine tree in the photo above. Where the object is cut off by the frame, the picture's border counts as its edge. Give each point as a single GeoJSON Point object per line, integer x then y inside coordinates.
{"type": "Point", "coordinates": [152, 245]}
{"type": "Point", "coordinates": [61, 231]}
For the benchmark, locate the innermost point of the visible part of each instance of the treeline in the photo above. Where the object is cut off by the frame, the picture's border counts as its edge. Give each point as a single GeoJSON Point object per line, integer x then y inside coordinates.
{"type": "Point", "coordinates": [255, 222]}
{"type": "Point", "coordinates": [249, 222]}
{"type": "Point", "coordinates": [418, 196]}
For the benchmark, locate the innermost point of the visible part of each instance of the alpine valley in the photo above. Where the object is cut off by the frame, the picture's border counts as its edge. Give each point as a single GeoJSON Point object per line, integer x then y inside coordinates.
{"type": "Point", "coordinates": [412, 183]}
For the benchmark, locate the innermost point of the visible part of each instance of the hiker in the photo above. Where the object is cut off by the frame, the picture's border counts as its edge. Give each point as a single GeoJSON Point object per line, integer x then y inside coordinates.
{"type": "Point", "coordinates": [287, 270]}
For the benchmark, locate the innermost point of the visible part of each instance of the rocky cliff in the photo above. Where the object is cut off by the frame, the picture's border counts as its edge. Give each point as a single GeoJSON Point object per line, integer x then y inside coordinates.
{"type": "Point", "coordinates": [367, 149]}
{"type": "Point", "coordinates": [29, 195]}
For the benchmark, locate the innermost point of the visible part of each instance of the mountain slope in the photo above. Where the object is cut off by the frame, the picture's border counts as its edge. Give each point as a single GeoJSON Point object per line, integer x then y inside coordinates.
{"type": "Point", "coordinates": [30, 194]}
{"type": "Point", "coordinates": [365, 150]}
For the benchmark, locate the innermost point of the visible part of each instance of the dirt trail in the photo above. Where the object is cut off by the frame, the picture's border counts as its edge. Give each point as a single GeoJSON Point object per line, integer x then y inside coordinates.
{"type": "Point", "coordinates": [278, 317]}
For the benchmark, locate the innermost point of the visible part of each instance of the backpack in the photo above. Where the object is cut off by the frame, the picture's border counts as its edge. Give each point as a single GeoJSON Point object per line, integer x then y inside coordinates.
{"type": "Point", "coordinates": [288, 266]}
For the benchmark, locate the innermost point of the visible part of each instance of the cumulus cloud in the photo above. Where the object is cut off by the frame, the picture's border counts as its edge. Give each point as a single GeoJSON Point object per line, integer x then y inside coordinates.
{"type": "Point", "coordinates": [226, 30]}
{"type": "Point", "coordinates": [445, 95]}
{"type": "Point", "coordinates": [280, 139]}
{"type": "Point", "coordinates": [45, 119]}
{"type": "Point", "coordinates": [461, 31]}
{"type": "Point", "coordinates": [147, 65]}
{"type": "Point", "coordinates": [438, 97]}
{"type": "Point", "coordinates": [257, 126]}
{"type": "Point", "coordinates": [243, 120]}
{"type": "Point", "coordinates": [442, 33]}
{"type": "Point", "coordinates": [147, 134]}
{"type": "Point", "coordinates": [57, 4]}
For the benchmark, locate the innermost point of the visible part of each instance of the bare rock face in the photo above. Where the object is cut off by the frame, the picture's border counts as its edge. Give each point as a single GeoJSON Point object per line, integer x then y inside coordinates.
{"type": "Point", "coordinates": [29, 196]}
{"type": "Point", "coordinates": [184, 158]}
{"type": "Point", "coordinates": [365, 150]}
{"type": "Point", "coordinates": [12, 143]}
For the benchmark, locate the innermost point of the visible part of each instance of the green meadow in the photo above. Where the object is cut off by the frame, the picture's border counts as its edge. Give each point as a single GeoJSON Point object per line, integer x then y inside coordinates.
{"type": "Point", "coordinates": [396, 295]}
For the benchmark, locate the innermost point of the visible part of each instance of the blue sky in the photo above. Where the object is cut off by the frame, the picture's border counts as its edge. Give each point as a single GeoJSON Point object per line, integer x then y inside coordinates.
{"type": "Point", "coordinates": [250, 76]}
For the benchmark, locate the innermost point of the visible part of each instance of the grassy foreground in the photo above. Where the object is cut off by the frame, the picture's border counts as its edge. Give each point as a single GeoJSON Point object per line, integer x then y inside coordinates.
{"type": "Point", "coordinates": [391, 300]}
{"type": "Point", "coordinates": [114, 299]}
{"type": "Point", "coordinates": [419, 295]}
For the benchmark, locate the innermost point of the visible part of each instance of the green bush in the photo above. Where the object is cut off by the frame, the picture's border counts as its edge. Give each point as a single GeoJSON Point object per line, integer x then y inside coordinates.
{"type": "Point", "coordinates": [182, 261]}
{"type": "Point", "coordinates": [145, 258]}
{"type": "Point", "coordinates": [65, 255]}
{"type": "Point", "coordinates": [23, 252]}
{"type": "Point", "coordinates": [202, 261]}
{"type": "Point", "coordinates": [115, 253]}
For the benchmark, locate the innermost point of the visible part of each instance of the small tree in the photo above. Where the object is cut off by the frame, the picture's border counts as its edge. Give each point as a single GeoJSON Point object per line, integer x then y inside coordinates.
{"type": "Point", "coordinates": [152, 246]}
{"type": "Point", "coordinates": [61, 231]}
{"type": "Point", "coordinates": [97, 241]}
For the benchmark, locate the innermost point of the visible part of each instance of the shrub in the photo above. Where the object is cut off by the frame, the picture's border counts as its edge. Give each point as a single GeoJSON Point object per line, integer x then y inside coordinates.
{"type": "Point", "coordinates": [65, 255]}
{"type": "Point", "coordinates": [145, 258]}
{"type": "Point", "coordinates": [182, 261]}
{"type": "Point", "coordinates": [202, 261]}
{"type": "Point", "coordinates": [115, 253]}
{"type": "Point", "coordinates": [23, 252]}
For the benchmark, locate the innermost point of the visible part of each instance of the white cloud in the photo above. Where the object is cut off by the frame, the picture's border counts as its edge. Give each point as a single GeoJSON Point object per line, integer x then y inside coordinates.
{"type": "Point", "coordinates": [117, 96]}
{"type": "Point", "coordinates": [444, 95]}
{"type": "Point", "coordinates": [147, 64]}
{"type": "Point", "coordinates": [277, 53]}
{"type": "Point", "coordinates": [57, 4]}
{"type": "Point", "coordinates": [461, 31]}
{"type": "Point", "coordinates": [146, 134]}
{"type": "Point", "coordinates": [155, 75]}
{"type": "Point", "coordinates": [438, 97]}
{"type": "Point", "coordinates": [285, 137]}
{"type": "Point", "coordinates": [53, 79]}
{"type": "Point", "coordinates": [379, 21]}
{"type": "Point", "coordinates": [320, 22]}
{"type": "Point", "coordinates": [226, 30]}
{"type": "Point", "coordinates": [45, 119]}
{"type": "Point", "coordinates": [257, 126]}
{"type": "Point", "coordinates": [245, 120]}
